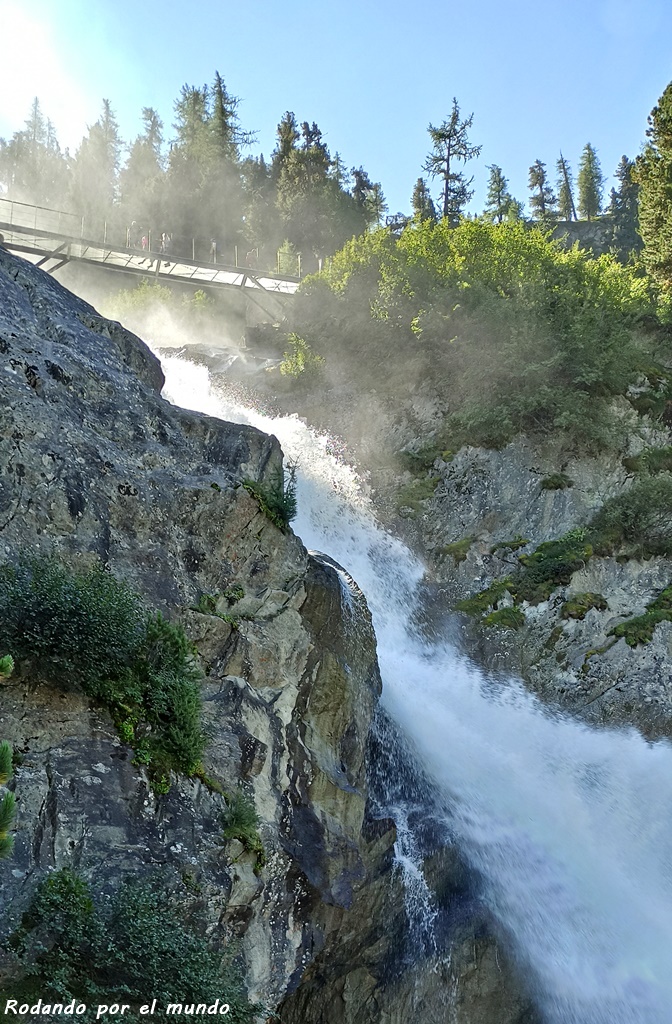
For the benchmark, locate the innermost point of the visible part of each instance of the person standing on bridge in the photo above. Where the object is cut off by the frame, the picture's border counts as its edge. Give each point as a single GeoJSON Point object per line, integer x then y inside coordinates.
{"type": "Point", "coordinates": [213, 250]}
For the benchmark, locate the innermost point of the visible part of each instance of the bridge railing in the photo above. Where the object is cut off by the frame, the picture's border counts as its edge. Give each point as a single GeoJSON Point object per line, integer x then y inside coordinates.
{"type": "Point", "coordinates": [44, 223]}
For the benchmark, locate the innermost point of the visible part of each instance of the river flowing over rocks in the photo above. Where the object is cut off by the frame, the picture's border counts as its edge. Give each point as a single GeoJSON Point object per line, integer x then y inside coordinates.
{"type": "Point", "coordinates": [96, 466]}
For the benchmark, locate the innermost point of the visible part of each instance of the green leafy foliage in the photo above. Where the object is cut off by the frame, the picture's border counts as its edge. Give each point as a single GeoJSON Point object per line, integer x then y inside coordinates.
{"type": "Point", "coordinates": [298, 358]}
{"type": "Point", "coordinates": [516, 333]}
{"type": "Point", "coordinates": [550, 565]}
{"type": "Point", "coordinates": [411, 497]}
{"type": "Point", "coordinates": [241, 822]}
{"type": "Point", "coordinates": [638, 519]}
{"type": "Point", "coordinates": [88, 628]}
{"type": "Point", "coordinates": [459, 549]}
{"type": "Point", "coordinates": [509, 545]}
{"type": "Point", "coordinates": [277, 499]}
{"type": "Point", "coordinates": [484, 599]}
{"type": "Point", "coordinates": [639, 630]}
{"type": "Point", "coordinates": [132, 948]}
{"type": "Point", "coordinates": [579, 604]}
{"type": "Point", "coordinates": [6, 666]}
{"type": "Point", "coordinates": [8, 802]}
{"type": "Point", "coordinates": [505, 618]}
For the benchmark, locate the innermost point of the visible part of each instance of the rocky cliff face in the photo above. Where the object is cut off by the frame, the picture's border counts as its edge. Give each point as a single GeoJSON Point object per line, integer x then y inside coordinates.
{"type": "Point", "coordinates": [95, 466]}
{"type": "Point", "coordinates": [488, 499]}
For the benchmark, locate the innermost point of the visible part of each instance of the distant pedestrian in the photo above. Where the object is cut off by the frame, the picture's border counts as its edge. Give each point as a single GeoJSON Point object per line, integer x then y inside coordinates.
{"type": "Point", "coordinates": [213, 250]}
{"type": "Point", "coordinates": [144, 243]}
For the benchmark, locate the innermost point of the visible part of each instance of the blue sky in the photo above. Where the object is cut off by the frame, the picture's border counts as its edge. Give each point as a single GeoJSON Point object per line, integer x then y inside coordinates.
{"type": "Point", "coordinates": [538, 77]}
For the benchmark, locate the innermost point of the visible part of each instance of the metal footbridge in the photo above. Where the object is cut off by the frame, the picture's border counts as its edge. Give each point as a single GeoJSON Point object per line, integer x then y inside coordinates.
{"type": "Point", "coordinates": [57, 238]}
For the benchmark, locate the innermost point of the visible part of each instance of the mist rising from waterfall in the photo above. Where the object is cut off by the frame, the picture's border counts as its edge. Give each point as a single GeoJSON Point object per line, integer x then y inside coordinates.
{"type": "Point", "coordinates": [569, 827]}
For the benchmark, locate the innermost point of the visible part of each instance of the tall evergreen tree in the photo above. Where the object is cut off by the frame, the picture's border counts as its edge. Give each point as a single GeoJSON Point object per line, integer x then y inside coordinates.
{"type": "Point", "coordinates": [566, 207]}
{"type": "Point", "coordinates": [32, 167]}
{"type": "Point", "coordinates": [624, 211]}
{"type": "Point", "coordinates": [287, 134]}
{"type": "Point", "coordinates": [500, 204]}
{"type": "Point", "coordinates": [142, 179]}
{"type": "Point", "coordinates": [422, 203]}
{"type": "Point", "coordinates": [95, 172]}
{"type": "Point", "coordinates": [653, 173]}
{"type": "Point", "coordinates": [451, 147]}
{"type": "Point", "coordinates": [591, 184]}
{"type": "Point", "coordinates": [542, 199]}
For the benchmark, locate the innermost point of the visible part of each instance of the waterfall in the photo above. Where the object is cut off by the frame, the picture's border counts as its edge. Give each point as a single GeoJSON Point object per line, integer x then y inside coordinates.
{"type": "Point", "coordinates": [569, 827]}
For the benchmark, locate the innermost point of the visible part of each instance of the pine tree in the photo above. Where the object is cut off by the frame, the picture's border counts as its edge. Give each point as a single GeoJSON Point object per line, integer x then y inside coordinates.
{"type": "Point", "coordinates": [451, 147]}
{"type": "Point", "coordinates": [624, 211]}
{"type": "Point", "coordinates": [142, 179]}
{"type": "Point", "coordinates": [653, 173]}
{"type": "Point", "coordinates": [500, 204]}
{"type": "Point", "coordinates": [32, 167]}
{"type": "Point", "coordinates": [422, 203]}
{"type": "Point", "coordinates": [542, 201]}
{"type": "Point", "coordinates": [288, 136]}
{"type": "Point", "coordinates": [566, 207]}
{"type": "Point", "coordinates": [591, 184]}
{"type": "Point", "coordinates": [95, 170]}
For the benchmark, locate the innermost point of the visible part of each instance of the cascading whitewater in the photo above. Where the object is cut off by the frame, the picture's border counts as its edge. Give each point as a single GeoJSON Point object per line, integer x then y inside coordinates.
{"type": "Point", "coordinates": [570, 828]}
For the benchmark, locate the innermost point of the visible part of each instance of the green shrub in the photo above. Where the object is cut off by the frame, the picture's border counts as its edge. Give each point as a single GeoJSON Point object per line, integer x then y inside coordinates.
{"type": "Point", "coordinates": [639, 630]}
{"type": "Point", "coordinates": [509, 545]}
{"type": "Point", "coordinates": [459, 549]}
{"type": "Point", "coordinates": [88, 628]}
{"type": "Point", "coordinates": [8, 802]}
{"type": "Point", "coordinates": [412, 496]}
{"type": "Point", "coordinates": [640, 518]}
{"type": "Point", "coordinates": [6, 666]}
{"type": "Point", "coordinates": [556, 482]}
{"type": "Point", "coordinates": [298, 359]}
{"type": "Point", "coordinates": [479, 603]}
{"type": "Point", "coordinates": [241, 822]}
{"type": "Point", "coordinates": [133, 948]}
{"type": "Point", "coordinates": [550, 565]}
{"type": "Point", "coordinates": [505, 618]}
{"type": "Point", "coordinates": [277, 499]}
{"type": "Point", "coordinates": [578, 605]}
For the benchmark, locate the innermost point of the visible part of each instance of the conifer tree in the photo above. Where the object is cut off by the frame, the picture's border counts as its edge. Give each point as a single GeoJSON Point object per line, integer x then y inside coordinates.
{"type": "Point", "coordinates": [95, 172]}
{"type": "Point", "coordinates": [653, 173]}
{"type": "Point", "coordinates": [566, 207]}
{"type": "Point", "coordinates": [591, 184]}
{"type": "Point", "coordinates": [500, 204]}
{"type": "Point", "coordinates": [32, 167]}
{"type": "Point", "coordinates": [542, 201]}
{"type": "Point", "coordinates": [422, 203]}
{"type": "Point", "coordinates": [142, 179]}
{"type": "Point", "coordinates": [624, 211]}
{"type": "Point", "coordinates": [451, 147]}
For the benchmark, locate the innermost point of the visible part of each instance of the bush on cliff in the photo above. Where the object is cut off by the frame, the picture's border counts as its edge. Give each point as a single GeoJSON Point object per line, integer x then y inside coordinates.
{"type": "Point", "coordinates": [132, 948]}
{"type": "Point", "coordinates": [514, 332]}
{"type": "Point", "coordinates": [85, 627]}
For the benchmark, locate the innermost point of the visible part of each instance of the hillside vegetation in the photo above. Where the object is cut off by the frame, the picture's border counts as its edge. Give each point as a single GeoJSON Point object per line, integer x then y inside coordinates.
{"type": "Point", "coordinates": [514, 332]}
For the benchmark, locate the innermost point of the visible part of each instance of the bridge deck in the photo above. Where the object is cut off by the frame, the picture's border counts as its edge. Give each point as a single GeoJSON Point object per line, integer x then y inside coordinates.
{"type": "Point", "coordinates": [50, 237]}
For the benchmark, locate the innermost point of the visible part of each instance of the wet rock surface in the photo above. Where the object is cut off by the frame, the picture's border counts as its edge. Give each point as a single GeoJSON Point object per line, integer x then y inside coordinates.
{"type": "Point", "coordinates": [95, 466]}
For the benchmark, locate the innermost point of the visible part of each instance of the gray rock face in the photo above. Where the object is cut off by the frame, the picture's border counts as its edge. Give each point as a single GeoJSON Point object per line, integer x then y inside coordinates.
{"type": "Point", "coordinates": [496, 496]}
{"type": "Point", "coordinates": [95, 465]}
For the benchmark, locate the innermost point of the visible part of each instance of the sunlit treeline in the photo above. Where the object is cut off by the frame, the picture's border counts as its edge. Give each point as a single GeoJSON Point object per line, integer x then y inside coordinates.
{"type": "Point", "coordinates": [197, 189]}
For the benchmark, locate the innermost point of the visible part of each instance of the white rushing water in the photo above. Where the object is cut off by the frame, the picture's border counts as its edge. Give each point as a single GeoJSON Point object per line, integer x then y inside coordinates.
{"type": "Point", "coordinates": [570, 828]}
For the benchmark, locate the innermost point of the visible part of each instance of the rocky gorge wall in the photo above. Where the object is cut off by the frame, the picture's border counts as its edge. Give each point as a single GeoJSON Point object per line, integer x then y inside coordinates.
{"type": "Point", "coordinates": [96, 467]}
